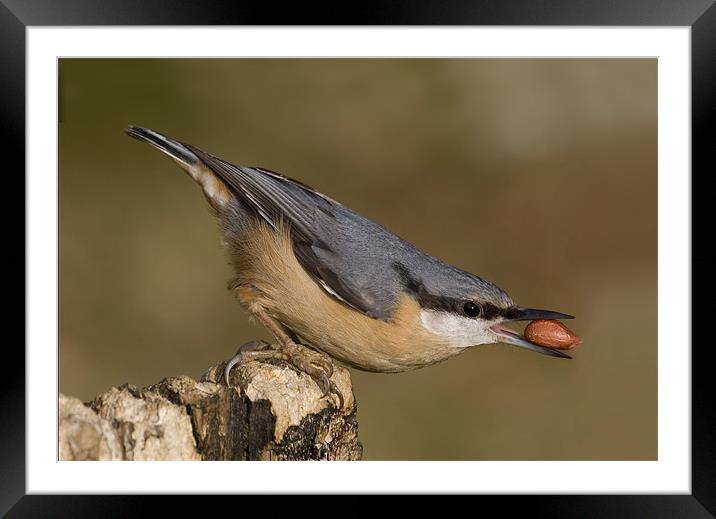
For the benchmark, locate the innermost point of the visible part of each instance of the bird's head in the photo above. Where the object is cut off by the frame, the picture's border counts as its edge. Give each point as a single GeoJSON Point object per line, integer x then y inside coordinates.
{"type": "Point", "coordinates": [466, 310]}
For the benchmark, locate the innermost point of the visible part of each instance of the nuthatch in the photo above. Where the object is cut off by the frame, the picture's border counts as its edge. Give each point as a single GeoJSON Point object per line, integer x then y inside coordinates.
{"type": "Point", "coordinates": [313, 271]}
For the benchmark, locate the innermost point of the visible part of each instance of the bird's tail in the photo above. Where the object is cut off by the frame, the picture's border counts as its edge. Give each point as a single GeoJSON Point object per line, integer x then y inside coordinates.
{"type": "Point", "coordinates": [174, 149]}
{"type": "Point", "coordinates": [214, 188]}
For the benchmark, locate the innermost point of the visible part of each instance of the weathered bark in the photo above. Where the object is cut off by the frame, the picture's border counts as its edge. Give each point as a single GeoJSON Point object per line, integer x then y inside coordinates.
{"type": "Point", "coordinates": [272, 413]}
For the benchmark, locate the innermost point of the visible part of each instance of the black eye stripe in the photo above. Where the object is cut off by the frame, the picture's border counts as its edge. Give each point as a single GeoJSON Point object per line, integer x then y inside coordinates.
{"type": "Point", "coordinates": [442, 303]}
{"type": "Point", "coordinates": [490, 311]}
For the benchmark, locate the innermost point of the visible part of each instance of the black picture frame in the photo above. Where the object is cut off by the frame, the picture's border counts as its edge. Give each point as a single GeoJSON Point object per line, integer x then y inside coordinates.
{"type": "Point", "coordinates": [700, 15]}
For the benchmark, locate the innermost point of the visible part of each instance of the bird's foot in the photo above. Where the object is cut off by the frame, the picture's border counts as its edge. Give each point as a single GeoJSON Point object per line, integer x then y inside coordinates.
{"type": "Point", "coordinates": [314, 364]}
{"type": "Point", "coordinates": [301, 358]}
{"type": "Point", "coordinates": [246, 352]}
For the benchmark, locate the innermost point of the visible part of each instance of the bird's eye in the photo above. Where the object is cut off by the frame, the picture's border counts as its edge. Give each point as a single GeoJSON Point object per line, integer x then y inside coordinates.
{"type": "Point", "coordinates": [471, 309]}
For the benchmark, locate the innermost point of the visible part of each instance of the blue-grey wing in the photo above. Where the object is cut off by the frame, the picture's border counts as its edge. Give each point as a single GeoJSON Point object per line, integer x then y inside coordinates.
{"type": "Point", "coordinates": [331, 242]}
{"type": "Point", "coordinates": [355, 257]}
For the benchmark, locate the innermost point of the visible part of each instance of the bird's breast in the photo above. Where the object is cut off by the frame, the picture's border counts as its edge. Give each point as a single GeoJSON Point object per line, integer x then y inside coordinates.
{"type": "Point", "coordinates": [269, 274]}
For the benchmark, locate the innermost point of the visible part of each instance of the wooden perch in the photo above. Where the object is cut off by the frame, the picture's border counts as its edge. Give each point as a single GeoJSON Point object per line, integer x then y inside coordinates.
{"type": "Point", "coordinates": [278, 414]}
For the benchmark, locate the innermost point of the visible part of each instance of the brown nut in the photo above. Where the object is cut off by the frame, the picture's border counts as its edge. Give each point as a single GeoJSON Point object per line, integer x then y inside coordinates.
{"type": "Point", "coordinates": [551, 334]}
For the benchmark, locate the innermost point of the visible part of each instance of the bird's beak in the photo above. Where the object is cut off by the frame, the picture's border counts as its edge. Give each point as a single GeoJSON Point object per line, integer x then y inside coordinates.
{"type": "Point", "coordinates": [532, 314]}
{"type": "Point", "coordinates": [528, 314]}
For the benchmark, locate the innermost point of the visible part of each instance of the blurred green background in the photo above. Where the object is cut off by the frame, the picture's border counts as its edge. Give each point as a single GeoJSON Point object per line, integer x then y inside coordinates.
{"type": "Point", "coordinates": [539, 175]}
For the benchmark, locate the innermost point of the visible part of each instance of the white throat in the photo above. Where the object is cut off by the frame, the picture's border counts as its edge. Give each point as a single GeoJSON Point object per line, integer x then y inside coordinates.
{"type": "Point", "coordinates": [456, 330]}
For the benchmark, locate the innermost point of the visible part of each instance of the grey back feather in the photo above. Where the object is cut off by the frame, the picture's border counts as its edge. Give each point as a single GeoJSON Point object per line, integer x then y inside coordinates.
{"type": "Point", "coordinates": [353, 258]}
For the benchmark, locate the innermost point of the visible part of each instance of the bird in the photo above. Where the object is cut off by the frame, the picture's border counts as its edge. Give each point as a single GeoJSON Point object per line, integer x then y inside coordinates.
{"type": "Point", "coordinates": [330, 284]}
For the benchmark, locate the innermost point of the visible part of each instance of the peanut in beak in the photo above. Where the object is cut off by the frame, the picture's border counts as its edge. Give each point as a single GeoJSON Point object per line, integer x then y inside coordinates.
{"type": "Point", "coordinates": [551, 334]}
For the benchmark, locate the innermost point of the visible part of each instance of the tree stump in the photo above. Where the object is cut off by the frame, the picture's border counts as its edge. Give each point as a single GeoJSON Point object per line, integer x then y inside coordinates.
{"type": "Point", "coordinates": [271, 413]}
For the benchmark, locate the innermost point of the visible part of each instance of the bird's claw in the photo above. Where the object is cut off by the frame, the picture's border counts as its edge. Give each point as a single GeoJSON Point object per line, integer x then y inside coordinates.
{"type": "Point", "coordinates": [315, 365]}
{"type": "Point", "coordinates": [299, 357]}
{"type": "Point", "coordinates": [325, 364]}
{"type": "Point", "coordinates": [244, 351]}
{"type": "Point", "coordinates": [334, 389]}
